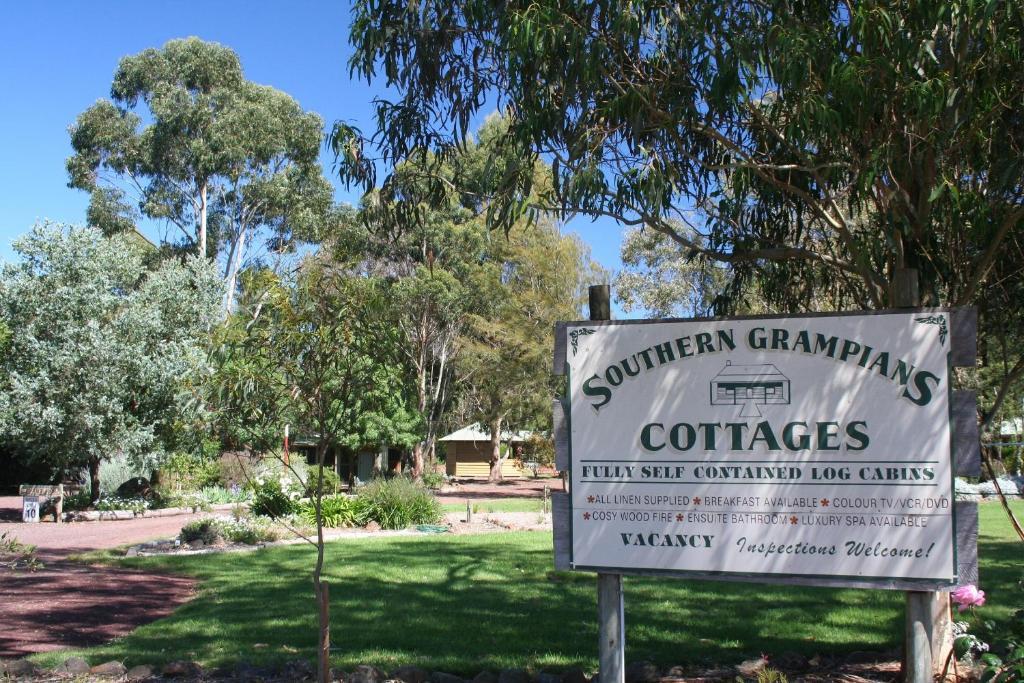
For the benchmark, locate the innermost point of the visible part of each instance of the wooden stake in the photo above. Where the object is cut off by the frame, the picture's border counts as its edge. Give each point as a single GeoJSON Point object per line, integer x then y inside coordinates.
{"type": "Point", "coordinates": [324, 675]}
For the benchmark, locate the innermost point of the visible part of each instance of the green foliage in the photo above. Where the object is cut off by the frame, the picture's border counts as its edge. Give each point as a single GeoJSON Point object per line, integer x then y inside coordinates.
{"type": "Point", "coordinates": [189, 472]}
{"type": "Point", "coordinates": [79, 500]}
{"type": "Point", "coordinates": [270, 499]}
{"type": "Point", "coordinates": [805, 150]}
{"type": "Point", "coordinates": [245, 530]}
{"type": "Point", "coordinates": [529, 280]}
{"type": "Point", "coordinates": [793, 132]}
{"type": "Point", "coordinates": [187, 140]}
{"type": "Point", "coordinates": [337, 511]}
{"type": "Point", "coordinates": [432, 479]}
{"type": "Point", "coordinates": [331, 482]}
{"type": "Point", "coordinates": [663, 281]}
{"type": "Point", "coordinates": [15, 555]}
{"type": "Point", "coordinates": [205, 530]}
{"type": "Point", "coordinates": [770, 675]}
{"type": "Point", "coordinates": [105, 352]}
{"type": "Point", "coordinates": [397, 503]}
{"type": "Point", "coordinates": [248, 530]}
{"type": "Point", "coordinates": [539, 449]}
{"type": "Point", "coordinates": [116, 471]}
{"type": "Point", "coordinates": [319, 350]}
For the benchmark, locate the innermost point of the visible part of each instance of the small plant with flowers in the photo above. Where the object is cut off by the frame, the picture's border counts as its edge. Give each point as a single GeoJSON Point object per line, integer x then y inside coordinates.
{"type": "Point", "coordinates": [999, 663]}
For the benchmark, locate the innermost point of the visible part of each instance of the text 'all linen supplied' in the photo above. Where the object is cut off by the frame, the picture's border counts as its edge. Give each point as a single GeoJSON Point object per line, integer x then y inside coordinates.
{"type": "Point", "coordinates": [810, 446]}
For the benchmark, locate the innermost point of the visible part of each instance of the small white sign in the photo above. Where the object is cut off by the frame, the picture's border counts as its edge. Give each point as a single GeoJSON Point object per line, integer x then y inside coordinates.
{"type": "Point", "coordinates": [30, 509]}
{"type": "Point", "coordinates": [808, 446]}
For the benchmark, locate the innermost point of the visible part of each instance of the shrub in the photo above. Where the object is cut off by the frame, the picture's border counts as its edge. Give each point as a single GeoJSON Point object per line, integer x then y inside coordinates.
{"type": "Point", "coordinates": [271, 500]}
{"type": "Point", "coordinates": [332, 482]}
{"type": "Point", "coordinates": [188, 472]}
{"type": "Point", "coordinates": [337, 511]}
{"type": "Point", "coordinates": [136, 505]}
{"type": "Point", "coordinates": [218, 495]}
{"type": "Point", "coordinates": [206, 530]}
{"type": "Point", "coordinates": [433, 480]}
{"type": "Point", "coordinates": [117, 471]}
{"type": "Point", "coordinates": [397, 503]}
{"type": "Point", "coordinates": [236, 467]}
{"type": "Point", "coordinates": [245, 530]}
{"type": "Point", "coordinates": [248, 530]}
{"type": "Point", "coordinates": [79, 500]}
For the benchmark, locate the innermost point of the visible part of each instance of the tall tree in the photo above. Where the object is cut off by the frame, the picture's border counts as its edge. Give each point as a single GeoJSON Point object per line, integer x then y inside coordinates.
{"type": "Point", "coordinates": [663, 281]}
{"type": "Point", "coordinates": [432, 247]}
{"type": "Point", "coordinates": [810, 145]}
{"type": "Point", "coordinates": [104, 352]}
{"type": "Point", "coordinates": [225, 161]}
{"type": "Point", "coordinates": [528, 282]}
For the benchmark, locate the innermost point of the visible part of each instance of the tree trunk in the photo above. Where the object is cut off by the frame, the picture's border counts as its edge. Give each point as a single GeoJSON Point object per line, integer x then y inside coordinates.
{"type": "Point", "coordinates": [233, 268]}
{"type": "Point", "coordinates": [496, 459]}
{"type": "Point", "coordinates": [94, 480]}
{"type": "Point", "coordinates": [417, 460]}
{"type": "Point", "coordinates": [203, 211]}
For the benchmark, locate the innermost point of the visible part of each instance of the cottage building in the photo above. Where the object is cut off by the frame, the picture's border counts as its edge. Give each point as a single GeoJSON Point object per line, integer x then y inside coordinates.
{"type": "Point", "coordinates": [468, 452]}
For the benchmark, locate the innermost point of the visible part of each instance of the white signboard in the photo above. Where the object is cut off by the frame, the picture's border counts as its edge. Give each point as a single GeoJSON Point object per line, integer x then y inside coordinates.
{"type": "Point", "coordinates": [801, 446]}
{"type": "Point", "coordinates": [30, 509]}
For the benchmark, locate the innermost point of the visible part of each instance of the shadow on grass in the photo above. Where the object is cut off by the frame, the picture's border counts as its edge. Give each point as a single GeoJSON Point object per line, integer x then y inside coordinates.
{"type": "Point", "coordinates": [463, 604]}
{"type": "Point", "coordinates": [466, 603]}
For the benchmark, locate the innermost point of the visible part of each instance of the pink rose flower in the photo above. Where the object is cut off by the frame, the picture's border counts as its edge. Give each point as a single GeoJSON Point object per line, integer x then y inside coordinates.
{"type": "Point", "coordinates": [968, 596]}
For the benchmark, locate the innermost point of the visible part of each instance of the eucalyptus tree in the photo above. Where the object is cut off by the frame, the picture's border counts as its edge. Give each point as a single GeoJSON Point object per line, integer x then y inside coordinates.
{"type": "Point", "coordinates": [432, 248]}
{"type": "Point", "coordinates": [105, 354]}
{"type": "Point", "coordinates": [810, 146]}
{"type": "Point", "coordinates": [187, 140]}
{"type": "Point", "coordinates": [799, 138]}
{"type": "Point", "coordinates": [526, 283]}
{"type": "Point", "coordinates": [658, 278]}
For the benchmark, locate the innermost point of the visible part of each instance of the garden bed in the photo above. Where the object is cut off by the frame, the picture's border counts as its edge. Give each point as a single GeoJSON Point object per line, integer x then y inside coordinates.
{"type": "Point", "coordinates": [111, 515]}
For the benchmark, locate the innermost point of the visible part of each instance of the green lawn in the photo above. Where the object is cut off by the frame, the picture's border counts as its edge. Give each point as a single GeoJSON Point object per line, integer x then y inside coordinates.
{"type": "Point", "coordinates": [466, 603]}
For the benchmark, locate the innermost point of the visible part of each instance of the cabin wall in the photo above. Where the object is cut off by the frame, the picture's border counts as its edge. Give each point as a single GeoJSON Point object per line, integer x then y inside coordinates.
{"type": "Point", "coordinates": [472, 459]}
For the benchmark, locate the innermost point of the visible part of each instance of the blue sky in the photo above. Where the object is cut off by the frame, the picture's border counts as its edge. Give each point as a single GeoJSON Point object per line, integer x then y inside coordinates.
{"type": "Point", "coordinates": [58, 58]}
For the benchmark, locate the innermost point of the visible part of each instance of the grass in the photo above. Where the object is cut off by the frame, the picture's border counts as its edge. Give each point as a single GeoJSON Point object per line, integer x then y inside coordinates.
{"type": "Point", "coordinates": [466, 603]}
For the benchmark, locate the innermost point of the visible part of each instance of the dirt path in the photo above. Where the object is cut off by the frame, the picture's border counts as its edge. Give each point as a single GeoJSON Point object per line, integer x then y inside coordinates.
{"type": "Point", "coordinates": [74, 605]}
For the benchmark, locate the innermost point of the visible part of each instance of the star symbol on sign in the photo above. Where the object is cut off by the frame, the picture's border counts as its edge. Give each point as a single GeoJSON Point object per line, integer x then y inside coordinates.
{"type": "Point", "coordinates": [793, 519]}
{"type": "Point", "coordinates": [590, 499]}
{"type": "Point", "coordinates": [679, 517]}
{"type": "Point", "coordinates": [586, 515]}
{"type": "Point", "coordinates": [696, 500]}
{"type": "Point", "coordinates": [824, 502]}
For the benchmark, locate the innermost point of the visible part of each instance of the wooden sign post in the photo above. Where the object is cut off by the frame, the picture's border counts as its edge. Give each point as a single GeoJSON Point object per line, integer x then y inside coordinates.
{"type": "Point", "coordinates": [811, 450]}
{"type": "Point", "coordinates": [611, 608]}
